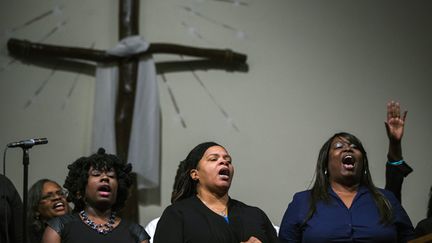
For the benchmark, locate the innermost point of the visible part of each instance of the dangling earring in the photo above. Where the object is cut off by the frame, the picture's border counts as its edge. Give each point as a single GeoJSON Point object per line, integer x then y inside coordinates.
{"type": "Point", "coordinates": [365, 172]}
{"type": "Point", "coordinates": [325, 172]}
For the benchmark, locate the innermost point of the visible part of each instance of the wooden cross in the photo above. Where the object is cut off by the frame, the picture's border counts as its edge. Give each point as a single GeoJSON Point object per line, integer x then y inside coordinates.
{"type": "Point", "coordinates": [128, 26]}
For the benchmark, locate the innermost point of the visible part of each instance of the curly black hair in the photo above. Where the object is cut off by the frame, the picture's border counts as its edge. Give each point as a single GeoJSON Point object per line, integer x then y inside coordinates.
{"type": "Point", "coordinates": [77, 178]}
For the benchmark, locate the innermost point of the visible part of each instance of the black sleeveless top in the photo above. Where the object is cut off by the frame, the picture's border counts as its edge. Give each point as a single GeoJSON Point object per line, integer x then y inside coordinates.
{"type": "Point", "coordinates": [72, 230]}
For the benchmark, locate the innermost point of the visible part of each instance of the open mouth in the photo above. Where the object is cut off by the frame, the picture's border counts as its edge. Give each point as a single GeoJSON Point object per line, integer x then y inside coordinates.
{"type": "Point", "coordinates": [348, 161]}
{"type": "Point", "coordinates": [104, 190]}
{"type": "Point", "coordinates": [59, 206]}
{"type": "Point", "coordinates": [224, 173]}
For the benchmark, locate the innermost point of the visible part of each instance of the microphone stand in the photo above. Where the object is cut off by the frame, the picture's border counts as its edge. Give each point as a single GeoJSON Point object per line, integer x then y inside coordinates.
{"type": "Point", "coordinates": [26, 145]}
{"type": "Point", "coordinates": [26, 162]}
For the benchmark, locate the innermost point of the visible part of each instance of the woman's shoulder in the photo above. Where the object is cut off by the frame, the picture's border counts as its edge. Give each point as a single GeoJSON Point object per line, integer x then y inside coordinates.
{"type": "Point", "coordinates": [180, 206]}
{"type": "Point", "coordinates": [423, 227]}
{"type": "Point", "coordinates": [383, 191]}
{"type": "Point", "coordinates": [242, 209]}
{"type": "Point", "coordinates": [136, 230]}
{"type": "Point", "coordinates": [427, 222]}
{"type": "Point", "coordinates": [184, 203]}
{"type": "Point", "coordinates": [302, 195]}
{"type": "Point", "coordinates": [300, 202]}
{"type": "Point", "coordinates": [58, 223]}
{"type": "Point", "coordinates": [65, 218]}
{"type": "Point", "coordinates": [305, 193]}
{"type": "Point", "coordinates": [239, 205]}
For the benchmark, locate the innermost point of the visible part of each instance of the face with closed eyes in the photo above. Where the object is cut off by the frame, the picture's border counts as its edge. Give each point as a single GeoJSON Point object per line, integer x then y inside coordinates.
{"type": "Point", "coordinates": [214, 171]}
{"type": "Point", "coordinates": [101, 189]}
{"type": "Point", "coordinates": [345, 162]}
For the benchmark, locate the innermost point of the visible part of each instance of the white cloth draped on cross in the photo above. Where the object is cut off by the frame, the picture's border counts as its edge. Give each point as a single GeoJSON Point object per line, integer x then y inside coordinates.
{"type": "Point", "coordinates": [144, 144]}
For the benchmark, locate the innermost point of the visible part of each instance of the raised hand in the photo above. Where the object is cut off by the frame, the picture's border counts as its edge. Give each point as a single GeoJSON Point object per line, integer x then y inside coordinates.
{"type": "Point", "coordinates": [396, 167]}
{"type": "Point", "coordinates": [395, 121]}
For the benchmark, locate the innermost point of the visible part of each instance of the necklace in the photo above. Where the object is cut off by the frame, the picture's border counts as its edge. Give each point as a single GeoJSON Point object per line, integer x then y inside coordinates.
{"type": "Point", "coordinates": [223, 212]}
{"type": "Point", "coordinates": [100, 228]}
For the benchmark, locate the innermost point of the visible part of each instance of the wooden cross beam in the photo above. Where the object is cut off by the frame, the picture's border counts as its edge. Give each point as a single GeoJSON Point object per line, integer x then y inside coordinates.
{"type": "Point", "coordinates": [128, 26]}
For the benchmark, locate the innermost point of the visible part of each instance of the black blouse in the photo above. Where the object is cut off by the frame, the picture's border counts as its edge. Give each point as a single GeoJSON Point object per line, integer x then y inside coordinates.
{"type": "Point", "coordinates": [72, 230]}
{"type": "Point", "coordinates": [11, 210]}
{"type": "Point", "coordinates": [191, 221]}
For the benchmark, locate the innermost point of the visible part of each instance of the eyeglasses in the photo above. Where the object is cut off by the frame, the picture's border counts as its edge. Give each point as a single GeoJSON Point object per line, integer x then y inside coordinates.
{"type": "Point", "coordinates": [54, 195]}
{"type": "Point", "coordinates": [338, 145]}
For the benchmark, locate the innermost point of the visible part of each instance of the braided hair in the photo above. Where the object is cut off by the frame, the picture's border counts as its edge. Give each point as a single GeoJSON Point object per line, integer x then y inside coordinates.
{"type": "Point", "coordinates": [184, 186]}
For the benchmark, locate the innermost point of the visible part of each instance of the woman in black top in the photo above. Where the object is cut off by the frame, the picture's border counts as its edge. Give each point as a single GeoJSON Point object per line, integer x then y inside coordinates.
{"type": "Point", "coordinates": [98, 187]}
{"type": "Point", "coordinates": [202, 211]}
{"type": "Point", "coordinates": [11, 210]}
{"type": "Point", "coordinates": [424, 227]}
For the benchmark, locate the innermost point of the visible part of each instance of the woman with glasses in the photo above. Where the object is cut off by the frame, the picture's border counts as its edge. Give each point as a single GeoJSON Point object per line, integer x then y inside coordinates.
{"type": "Point", "coordinates": [46, 200]}
{"type": "Point", "coordinates": [343, 204]}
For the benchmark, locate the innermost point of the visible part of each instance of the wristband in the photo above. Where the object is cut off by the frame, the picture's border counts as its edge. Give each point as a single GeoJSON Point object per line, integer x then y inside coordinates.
{"type": "Point", "coordinates": [396, 162]}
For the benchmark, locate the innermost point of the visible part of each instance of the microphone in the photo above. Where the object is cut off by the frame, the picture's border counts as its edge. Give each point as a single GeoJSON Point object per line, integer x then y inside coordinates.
{"type": "Point", "coordinates": [28, 143]}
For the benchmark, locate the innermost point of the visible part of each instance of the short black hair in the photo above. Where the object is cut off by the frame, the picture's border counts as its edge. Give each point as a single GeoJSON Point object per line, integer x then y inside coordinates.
{"type": "Point", "coordinates": [77, 178]}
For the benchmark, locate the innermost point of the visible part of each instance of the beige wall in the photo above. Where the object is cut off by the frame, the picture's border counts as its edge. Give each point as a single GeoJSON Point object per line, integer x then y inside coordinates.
{"type": "Point", "coordinates": [316, 68]}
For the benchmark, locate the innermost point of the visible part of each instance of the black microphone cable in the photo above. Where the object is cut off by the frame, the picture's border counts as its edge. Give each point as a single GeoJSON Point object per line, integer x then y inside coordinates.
{"type": "Point", "coordinates": [4, 160]}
